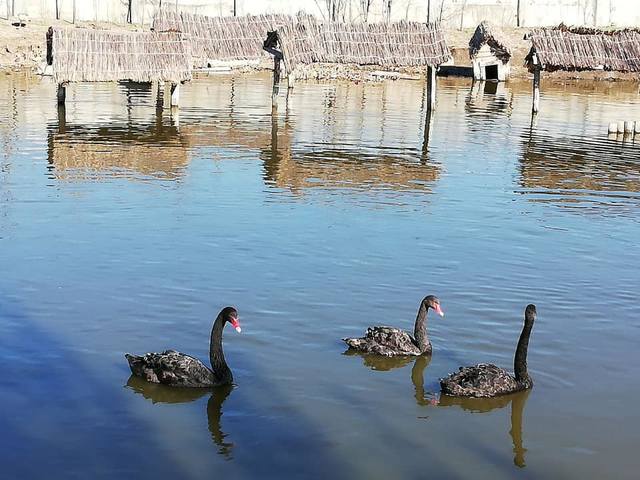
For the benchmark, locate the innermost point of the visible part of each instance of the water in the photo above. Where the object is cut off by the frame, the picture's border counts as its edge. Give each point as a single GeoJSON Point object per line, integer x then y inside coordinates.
{"type": "Point", "coordinates": [124, 231]}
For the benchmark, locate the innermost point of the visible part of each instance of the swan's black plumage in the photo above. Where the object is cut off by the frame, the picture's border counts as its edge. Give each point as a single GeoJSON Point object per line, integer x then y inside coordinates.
{"type": "Point", "coordinates": [181, 370]}
{"type": "Point", "coordinates": [389, 341]}
{"type": "Point", "coordinates": [488, 380]}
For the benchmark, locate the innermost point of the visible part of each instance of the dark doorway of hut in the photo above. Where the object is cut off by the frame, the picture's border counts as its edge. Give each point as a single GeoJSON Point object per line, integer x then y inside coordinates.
{"type": "Point", "coordinates": [491, 72]}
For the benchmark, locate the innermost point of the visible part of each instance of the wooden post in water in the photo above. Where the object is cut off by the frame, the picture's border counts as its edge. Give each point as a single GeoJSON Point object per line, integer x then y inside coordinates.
{"type": "Point", "coordinates": [536, 84]}
{"type": "Point", "coordinates": [175, 94]}
{"type": "Point", "coordinates": [159, 94]}
{"type": "Point", "coordinates": [276, 82]}
{"type": "Point", "coordinates": [431, 88]}
{"type": "Point", "coordinates": [62, 93]}
{"type": "Point", "coordinates": [428, 119]}
{"type": "Point", "coordinates": [62, 118]}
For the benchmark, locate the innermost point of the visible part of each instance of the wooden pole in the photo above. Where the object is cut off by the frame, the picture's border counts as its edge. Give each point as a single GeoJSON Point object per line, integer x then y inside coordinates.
{"type": "Point", "coordinates": [431, 88]}
{"type": "Point", "coordinates": [73, 20]}
{"type": "Point", "coordinates": [536, 84]}
{"type": "Point", "coordinates": [428, 120]}
{"type": "Point", "coordinates": [276, 82]}
{"type": "Point", "coordinates": [175, 94]}
{"type": "Point", "coordinates": [62, 93]}
{"type": "Point", "coordinates": [62, 118]}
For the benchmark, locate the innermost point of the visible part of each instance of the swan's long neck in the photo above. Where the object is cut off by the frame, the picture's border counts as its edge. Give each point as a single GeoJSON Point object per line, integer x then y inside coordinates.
{"type": "Point", "coordinates": [520, 359]}
{"type": "Point", "coordinates": [216, 356]}
{"type": "Point", "coordinates": [420, 329]}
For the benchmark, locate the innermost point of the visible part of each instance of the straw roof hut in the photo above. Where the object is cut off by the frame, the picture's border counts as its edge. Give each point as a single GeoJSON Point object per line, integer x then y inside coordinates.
{"type": "Point", "coordinates": [398, 44]}
{"type": "Point", "coordinates": [582, 48]}
{"type": "Point", "coordinates": [490, 53]}
{"type": "Point", "coordinates": [221, 38]}
{"type": "Point", "coordinates": [88, 55]}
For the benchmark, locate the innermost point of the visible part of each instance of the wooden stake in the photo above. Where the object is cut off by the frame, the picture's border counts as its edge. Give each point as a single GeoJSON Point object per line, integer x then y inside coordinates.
{"type": "Point", "coordinates": [428, 119]}
{"type": "Point", "coordinates": [175, 94]}
{"type": "Point", "coordinates": [536, 84]}
{"type": "Point", "coordinates": [276, 82]}
{"type": "Point", "coordinates": [159, 94]}
{"type": "Point", "coordinates": [62, 93]}
{"type": "Point", "coordinates": [431, 88]}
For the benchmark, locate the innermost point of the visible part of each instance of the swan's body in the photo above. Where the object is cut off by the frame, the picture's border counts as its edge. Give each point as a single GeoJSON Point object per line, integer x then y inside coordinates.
{"type": "Point", "coordinates": [180, 370]}
{"type": "Point", "coordinates": [389, 341]}
{"type": "Point", "coordinates": [488, 380]}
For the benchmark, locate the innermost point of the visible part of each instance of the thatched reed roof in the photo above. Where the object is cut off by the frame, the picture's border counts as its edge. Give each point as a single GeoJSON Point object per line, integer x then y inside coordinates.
{"type": "Point", "coordinates": [385, 44]}
{"type": "Point", "coordinates": [487, 34]}
{"type": "Point", "coordinates": [581, 48]}
{"type": "Point", "coordinates": [221, 38]}
{"type": "Point", "coordinates": [88, 55]}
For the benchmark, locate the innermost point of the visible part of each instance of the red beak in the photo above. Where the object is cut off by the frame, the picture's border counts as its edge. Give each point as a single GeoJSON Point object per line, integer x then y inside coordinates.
{"type": "Point", "coordinates": [236, 324]}
{"type": "Point", "coordinates": [438, 310]}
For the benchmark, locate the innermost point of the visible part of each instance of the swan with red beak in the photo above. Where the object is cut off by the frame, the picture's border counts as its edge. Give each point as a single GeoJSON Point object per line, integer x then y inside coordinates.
{"type": "Point", "coordinates": [390, 342]}
{"type": "Point", "coordinates": [180, 370]}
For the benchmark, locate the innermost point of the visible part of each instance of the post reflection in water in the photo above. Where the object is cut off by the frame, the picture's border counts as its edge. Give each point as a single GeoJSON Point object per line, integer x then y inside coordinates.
{"type": "Point", "coordinates": [332, 164]}
{"type": "Point", "coordinates": [157, 393]}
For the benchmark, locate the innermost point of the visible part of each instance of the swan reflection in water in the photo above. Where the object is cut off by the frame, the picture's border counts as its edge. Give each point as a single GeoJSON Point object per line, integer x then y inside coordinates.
{"type": "Point", "coordinates": [481, 405]}
{"type": "Point", "coordinates": [473, 405]}
{"type": "Point", "coordinates": [158, 393]}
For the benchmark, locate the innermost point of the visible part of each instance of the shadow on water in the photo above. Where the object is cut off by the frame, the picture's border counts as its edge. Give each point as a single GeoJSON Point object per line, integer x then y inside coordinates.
{"type": "Point", "coordinates": [48, 380]}
{"type": "Point", "coordinates": [163, 394]}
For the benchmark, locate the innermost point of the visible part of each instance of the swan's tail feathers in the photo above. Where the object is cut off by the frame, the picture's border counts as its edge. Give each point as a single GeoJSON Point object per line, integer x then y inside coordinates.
{"type": "Point", "coordinates": [136, 363]}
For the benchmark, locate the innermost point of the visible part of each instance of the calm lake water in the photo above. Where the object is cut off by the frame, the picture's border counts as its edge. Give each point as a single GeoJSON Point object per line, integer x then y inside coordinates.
{"type": "Point", "coordinates": [125, 231]}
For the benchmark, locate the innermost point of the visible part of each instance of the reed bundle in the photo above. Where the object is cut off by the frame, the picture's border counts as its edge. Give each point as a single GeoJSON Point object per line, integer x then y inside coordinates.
{"type": "Point", "coordinates": [580, 48]}
{"type": "Point", "coordinates": [221, 38]}
{"type": "Point", "coordinates": [488, 34]}
{"type": "Point", "coordinates": [88, 55]}
{"type": "Point", "coordinates": [398, 44]}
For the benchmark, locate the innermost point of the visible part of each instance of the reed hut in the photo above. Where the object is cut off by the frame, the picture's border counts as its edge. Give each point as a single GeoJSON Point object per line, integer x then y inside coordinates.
{"type": "Point", "coordinates": [391, 45]}
{"type": "Point", "coordinates": [88, 55]}
{"type": "Point", "coordinates": [221, 39]}
{"type": "Point", "coordinates": [489, 53]}
{"type": "Point", "coordinates": [581, 48]}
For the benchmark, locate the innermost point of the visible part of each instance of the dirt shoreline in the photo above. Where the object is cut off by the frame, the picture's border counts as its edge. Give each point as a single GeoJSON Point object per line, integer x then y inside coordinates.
{"type": "Point", "coordinates": [23, 48]}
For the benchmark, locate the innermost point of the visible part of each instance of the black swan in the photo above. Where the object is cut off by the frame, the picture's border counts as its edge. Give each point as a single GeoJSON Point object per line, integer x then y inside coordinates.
{"type": "Point", "coordinates": [389, 341]}
{"type": "Point", "coordinates": [487, 380]}
{"type": "Point", "coordinates": [180, 370]}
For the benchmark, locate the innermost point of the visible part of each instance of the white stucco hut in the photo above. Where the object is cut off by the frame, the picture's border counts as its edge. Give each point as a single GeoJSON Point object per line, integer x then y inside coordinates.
{"type": "Point", "coordinates": [490, 55]}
